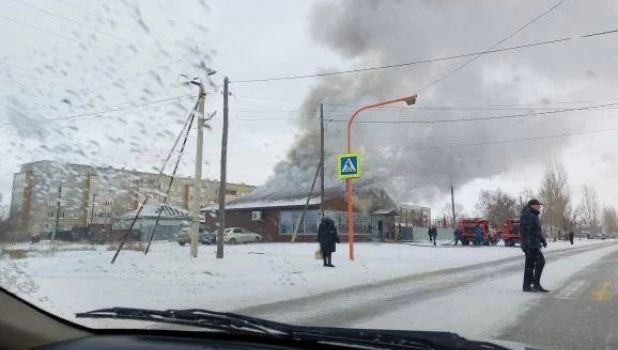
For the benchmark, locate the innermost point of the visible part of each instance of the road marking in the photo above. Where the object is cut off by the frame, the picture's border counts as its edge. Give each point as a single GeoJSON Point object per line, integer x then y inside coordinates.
{"type": "Point", "coordinates": [572, 290]}
{"type": "Point", "coordinates": [603, 291]}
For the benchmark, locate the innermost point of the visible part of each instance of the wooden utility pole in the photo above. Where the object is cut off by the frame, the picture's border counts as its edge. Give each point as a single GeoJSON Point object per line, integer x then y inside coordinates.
{"type": "Point", "coordinates": [223, 176]}
{"type": "Point", "coordinates": [53, 237]}
{"type": "Point", "coordinates": [197, 185]}
{"type": "Point", "coordinates": [301, 219]}
{"type": "Point", "coordinates": [453, 219]}
{"type": "Point", "coordinates": [321, 160]}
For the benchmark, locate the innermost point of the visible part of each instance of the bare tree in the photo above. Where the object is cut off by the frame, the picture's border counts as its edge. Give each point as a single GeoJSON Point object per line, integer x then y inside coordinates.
{"type": "Point", "coordinates": [556, 198]}
{"type": "Point", "coordinates": [448, 212]}
{"type": "Point", "coordinates": [497, 206]}
{"type": "Point", "coordinates": [524, 196]}
{"type": "Point", "coordinates": [589, 207]}
{"type": "Point", "coordinates": [610, 226]}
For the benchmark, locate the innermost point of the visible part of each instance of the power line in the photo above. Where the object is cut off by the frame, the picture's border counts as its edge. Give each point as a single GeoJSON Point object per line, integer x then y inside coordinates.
{"type": "Point", "coordinates": [525, 139]}
{"type": "Point", "coordinates": [43, 30]}
{"type": "Point", "coordinates": [499, 142]}
{"type": "Point", "coordinates": [115, 21]}
{"type": "Point", "coordinates": [508, 37]}
{"type": "Point", "coordinates": [51, 14]}
{"type": "Point", "coordinates": [52, 82]}
{"type": "Point", "coordinates": [429, 60]}
{"type": "Point", "coordinates": [460, 120]}
{"type": "Point", "coordinates": [600, 107]}
{"type": "Point", "coordinates": [107, 110]}
{"type": "Point", "coordinates": [295, 113]}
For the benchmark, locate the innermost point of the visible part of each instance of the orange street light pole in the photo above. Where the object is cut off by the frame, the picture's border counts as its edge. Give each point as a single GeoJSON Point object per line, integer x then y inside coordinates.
{"type": "Point", "coordinates": [409, 100]}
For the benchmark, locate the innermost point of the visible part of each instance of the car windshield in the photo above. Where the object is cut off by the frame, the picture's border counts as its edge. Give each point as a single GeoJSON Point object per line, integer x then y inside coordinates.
{"type": "Point", "coordinates": [318, 163]}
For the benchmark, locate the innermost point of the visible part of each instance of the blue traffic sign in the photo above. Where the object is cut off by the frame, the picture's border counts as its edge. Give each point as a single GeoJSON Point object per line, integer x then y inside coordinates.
{"type": "Point", "coordinates": [349, 166]}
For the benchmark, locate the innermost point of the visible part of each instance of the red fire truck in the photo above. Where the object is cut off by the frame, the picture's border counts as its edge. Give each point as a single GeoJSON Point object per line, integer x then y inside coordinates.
{"type": "Point", "coordinates": [510, 232]}
{"type": "Point", "coordinates": [468, 229]}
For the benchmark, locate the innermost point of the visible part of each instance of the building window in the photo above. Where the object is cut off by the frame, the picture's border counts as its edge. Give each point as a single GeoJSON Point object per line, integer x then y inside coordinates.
{"type": "Point", "coordinates": [363, 223]}
{"type": "Point", "coordinates": [288, 219]}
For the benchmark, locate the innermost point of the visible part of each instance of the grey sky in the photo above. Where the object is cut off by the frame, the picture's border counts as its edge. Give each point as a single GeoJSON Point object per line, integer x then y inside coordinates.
{"type": "Point", "coordinates": [246, 39]}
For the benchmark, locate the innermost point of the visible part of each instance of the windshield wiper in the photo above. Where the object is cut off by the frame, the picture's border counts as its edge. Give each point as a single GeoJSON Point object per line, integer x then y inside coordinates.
{"type": "Point", "coordinates": [191, 317]}
{"type": "Point", "coordinates": [235, 323]}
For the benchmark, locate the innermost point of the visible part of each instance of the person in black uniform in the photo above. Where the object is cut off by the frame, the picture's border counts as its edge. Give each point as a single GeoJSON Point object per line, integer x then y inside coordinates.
{"type": "Point", "coordinates": [531, 241]}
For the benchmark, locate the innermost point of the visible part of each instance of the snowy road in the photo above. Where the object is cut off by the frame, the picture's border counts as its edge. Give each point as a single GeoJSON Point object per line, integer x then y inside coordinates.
{"type": "Point", "coordinates": [478, 301]}
{"type": "Point", "coordinates": [581, 315]}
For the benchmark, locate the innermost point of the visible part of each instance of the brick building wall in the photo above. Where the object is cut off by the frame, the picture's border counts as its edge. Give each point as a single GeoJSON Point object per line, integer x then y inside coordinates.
{"type": "Point", "coordinates": [269, 226]}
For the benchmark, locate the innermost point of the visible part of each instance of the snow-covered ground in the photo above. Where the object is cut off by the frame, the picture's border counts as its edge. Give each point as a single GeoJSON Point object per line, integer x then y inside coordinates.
{"type": "Point", "coordinates": [487, 307]}
{"type": "Point", "coordinates": [79, 280]}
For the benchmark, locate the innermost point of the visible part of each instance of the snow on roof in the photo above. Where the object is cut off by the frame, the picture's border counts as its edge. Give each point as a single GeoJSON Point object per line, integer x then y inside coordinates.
{"type": "Point", "coordinates": [385, 211]}
{"type": "Point", "coordinates": [264, 203]}
{"type": "Point", "coordinates": [167, 211]}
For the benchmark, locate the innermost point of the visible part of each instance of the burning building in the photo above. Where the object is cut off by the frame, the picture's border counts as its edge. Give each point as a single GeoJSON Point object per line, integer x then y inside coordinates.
{"type": "Point", "coordinates": [275, 217]}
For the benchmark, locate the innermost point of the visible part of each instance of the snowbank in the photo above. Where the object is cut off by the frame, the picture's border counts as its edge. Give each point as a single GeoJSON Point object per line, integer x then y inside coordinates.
{"type": "Point", "coordinates": [72, 281]}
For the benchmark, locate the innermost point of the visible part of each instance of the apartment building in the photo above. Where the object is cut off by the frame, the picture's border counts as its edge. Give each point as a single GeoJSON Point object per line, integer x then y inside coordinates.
{"type": "Point", "coordinates": [77, 195]}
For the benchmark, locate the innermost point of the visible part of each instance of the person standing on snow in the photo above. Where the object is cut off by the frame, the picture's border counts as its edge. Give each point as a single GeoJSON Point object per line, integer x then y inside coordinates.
{"type": "Point", "coordinates": [430, 233]}
{"type": "Point", "coordinates": [457, 234]}
{"type": "Point", "coordinates": [531, 241]}
{"type": "Point", "coordinates": [571, 235]}
{"type": "Point", "coordinates": [435, 235]}
{"type": "Point", "coordinates": [478, 233]}
{"type": "Point", "coordinates": [328, 238]}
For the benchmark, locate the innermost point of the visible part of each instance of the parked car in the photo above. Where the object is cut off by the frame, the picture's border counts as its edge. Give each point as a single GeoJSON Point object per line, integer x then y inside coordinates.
{"type": "Point", "coordinates": [183, 237]}
{"type": "Point", "coordinates": [234, 235]}
{"type": "Point", "coordinates": [599, 236]}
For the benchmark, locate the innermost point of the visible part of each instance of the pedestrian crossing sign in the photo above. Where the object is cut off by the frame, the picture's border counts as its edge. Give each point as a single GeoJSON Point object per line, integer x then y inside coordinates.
{"type": "Point", "coordinates": [349, 166]}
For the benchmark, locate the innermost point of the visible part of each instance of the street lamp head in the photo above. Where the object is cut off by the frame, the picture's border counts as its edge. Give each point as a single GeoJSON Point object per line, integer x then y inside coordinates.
{"type": "Point", "coordinates": [410, 100]}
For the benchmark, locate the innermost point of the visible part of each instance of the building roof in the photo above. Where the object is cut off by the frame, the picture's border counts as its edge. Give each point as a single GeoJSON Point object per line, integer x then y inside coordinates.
{"type": "Point", "coordinates": [152, 211]}
{"type": "Point", "coordinates": [264, 203]}
{"type": "Point", "coordinates": [379, 200]}
{"type": "Point", "coordinates": [391, 211]}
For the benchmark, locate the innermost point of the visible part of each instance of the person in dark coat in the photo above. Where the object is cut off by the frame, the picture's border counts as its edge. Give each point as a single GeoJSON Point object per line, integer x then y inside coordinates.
{"type": "Point", "coordinates": [435, 235]}
{"type": "Point", "coordinates": [457, 234]}
{"type": "Point", "coordinates": [532, 239]}
{"type": "Point", "coordinates": [328, 238]}
{"type": "Point", "coordinates": [571, 235]}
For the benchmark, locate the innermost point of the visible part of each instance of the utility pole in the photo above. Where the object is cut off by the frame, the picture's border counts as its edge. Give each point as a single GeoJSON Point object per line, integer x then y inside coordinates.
{"type": "Point", "coordinates": [94, 198]}
{"type": "Point", "coordinates": [322, 160]}
{"type": "Point", "coordinates": [53, 237]}
{"type": "Point", "coordinates": [198, 171]}
{"type": "Point", "coordinates": [453, 206]}
{"type": "Point", "coordinates": [223, 175]}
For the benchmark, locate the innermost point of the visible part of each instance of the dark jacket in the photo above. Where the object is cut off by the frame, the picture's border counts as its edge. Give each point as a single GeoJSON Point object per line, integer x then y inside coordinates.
{"type": "Point", "coordinates": [327, 236]}
{"type": "Point", "coordinates": [433, 232]}
{"type": "Point", "coordinates": [530, 229]}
